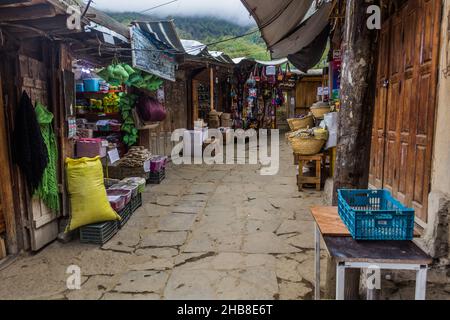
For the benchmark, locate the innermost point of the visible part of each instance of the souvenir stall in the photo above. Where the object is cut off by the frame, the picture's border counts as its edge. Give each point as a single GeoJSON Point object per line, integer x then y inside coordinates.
{"type": "Point", "coordinates": [112, 103]}
{"type": "Point", "coordinates": [259, 93]}
{"type": "Point", "coordinates": [313, 135]}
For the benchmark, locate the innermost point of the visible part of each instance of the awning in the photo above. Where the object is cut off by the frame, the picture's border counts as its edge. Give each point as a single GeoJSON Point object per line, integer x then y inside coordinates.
{"type": "Point", "coordinates": [197, 49]}
{"type": "Point", "coordinates": [277, 18]}
{"type": "Point", "coordinates": [304, 35]}
{"type": "Point", "coordinates": [194, 47]}
{"type": "Point", "coordinates": [272, 62]}
{"type": "Point", "coordinates": [310, 55]}
{"type": "Point", "coordinates": [163, 31]}
{"type": "Point", "coordinates": [221, 57]}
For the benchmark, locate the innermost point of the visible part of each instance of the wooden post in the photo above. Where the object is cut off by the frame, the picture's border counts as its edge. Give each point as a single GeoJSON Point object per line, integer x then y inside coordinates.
{"type": "Point", "coordinates": [357, 99]}
{"type": "Point", "coordinates": [357, 104]}
{"type": "Point", "coordinates": [211, 76]}
{"type": "Point", "coordinates": [5, 186]}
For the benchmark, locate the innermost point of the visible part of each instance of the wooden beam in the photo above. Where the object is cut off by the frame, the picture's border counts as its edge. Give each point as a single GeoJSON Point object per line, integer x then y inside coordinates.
{"type": "Point", "coordinates": [27, 13]}
{"type": "Point", "coordinates": [211, 80]}
{"type": "Point", "coordinates": [15, 2]}
{"type": "Point", "coordinates": [2, 248]}
{"type": "Point", "coordinates": [5, 186]}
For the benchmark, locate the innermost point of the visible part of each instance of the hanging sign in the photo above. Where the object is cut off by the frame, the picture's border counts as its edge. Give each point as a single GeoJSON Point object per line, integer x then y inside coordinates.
{"type": "Point", "coordinates": [113, 156]}
{"type": "Point", "coordinates": [72, 127]}
{"type": "Point", "coordinates": [151, 56]}
{"type": "Point", "coordinates": [147, 166]}
{"type": "Point", "coordinates": [271, 70]}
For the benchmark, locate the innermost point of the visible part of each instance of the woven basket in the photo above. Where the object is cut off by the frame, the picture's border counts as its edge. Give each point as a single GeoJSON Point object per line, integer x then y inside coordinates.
{"type": "Point", "coordinates": [297, 124]}
{"type": "Point", "coordinates": [321, 134]}
{"type": "Point", "coordinates": [320, 110]}
{"type": "Point", "coordinates": [306, 146]}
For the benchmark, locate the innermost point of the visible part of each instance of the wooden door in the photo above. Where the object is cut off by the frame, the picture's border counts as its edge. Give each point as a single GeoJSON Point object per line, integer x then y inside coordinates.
{"type": "Point", "coordinates": [402, 136]}
{"type": "Point", "coordinates": [379, 124]}
{"type": "Point", "coordinates": [42, 224]}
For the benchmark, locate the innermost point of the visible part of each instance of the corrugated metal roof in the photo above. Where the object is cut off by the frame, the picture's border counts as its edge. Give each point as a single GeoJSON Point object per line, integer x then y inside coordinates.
{"type": "Point", "coordinates": [163, 31]}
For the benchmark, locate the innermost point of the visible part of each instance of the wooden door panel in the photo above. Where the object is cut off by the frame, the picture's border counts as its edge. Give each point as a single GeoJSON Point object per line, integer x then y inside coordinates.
{"type": "Point", "coordinates": [395, 55]}
{"type": "Point", "coordinates": [424, 90]}
{"type": "Point", "coordinates": [428, 30]}
{"type": "Point", "coordinates": [404, 116]}
{"type": "Point", "coordinates": [379, 120]}
{"type": "Point", "coordinates": [2, 218]}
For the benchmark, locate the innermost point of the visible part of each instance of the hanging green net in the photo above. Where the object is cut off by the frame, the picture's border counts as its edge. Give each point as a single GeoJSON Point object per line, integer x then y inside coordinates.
{"type": "Point", "coordinates": [48, 189]}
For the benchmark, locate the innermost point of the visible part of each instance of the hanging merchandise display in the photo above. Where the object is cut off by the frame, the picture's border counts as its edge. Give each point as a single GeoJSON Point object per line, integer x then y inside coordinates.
{"type": "Point", "coordinates": [30, 150]}
{"type": "Point", "coordinates": [48, 188]}
{"type": "Point", "coordinates": [257, 98]}
{"type": "Point", "coordinates": [126, 105]}
{"type": "Point", "coordinates": [151, 110]}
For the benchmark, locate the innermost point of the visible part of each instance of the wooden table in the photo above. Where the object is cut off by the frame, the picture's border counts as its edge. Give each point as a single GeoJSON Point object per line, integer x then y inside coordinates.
{"type": "Point", "coordinates": [372, 255]}
{"type": "Point", "coordinates": [316, 179]}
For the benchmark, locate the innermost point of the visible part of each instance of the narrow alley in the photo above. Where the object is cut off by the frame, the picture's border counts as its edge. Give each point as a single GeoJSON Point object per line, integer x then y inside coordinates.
{"type": "Point", "coordinates": [221, 232]}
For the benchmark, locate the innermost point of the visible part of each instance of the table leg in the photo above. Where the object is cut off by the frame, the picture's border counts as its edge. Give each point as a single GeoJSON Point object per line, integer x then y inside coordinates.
{"type": "Point", "coordinates": [317, 257]}
{"type": "Point", "coordinates": [421, 283]}
{"type": "Point", "coordinates": [340, 281]}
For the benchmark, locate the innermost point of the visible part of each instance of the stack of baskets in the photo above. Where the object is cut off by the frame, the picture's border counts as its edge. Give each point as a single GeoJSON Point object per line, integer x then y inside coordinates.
{"type": "Point", "coordinates": [306, 145]}
{"type": "Point", "coordinates": [301, 123]}
{"type": "Point", "coordinates": [320, 109]}
{"type": "Point", "coordinates": [304, 138]}
{"type": "Point", "coordinates": [214, 119]}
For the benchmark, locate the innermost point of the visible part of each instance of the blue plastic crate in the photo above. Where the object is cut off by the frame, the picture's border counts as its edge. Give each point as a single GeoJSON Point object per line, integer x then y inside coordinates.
{"type": "Point", "coordinates": [375, 215]}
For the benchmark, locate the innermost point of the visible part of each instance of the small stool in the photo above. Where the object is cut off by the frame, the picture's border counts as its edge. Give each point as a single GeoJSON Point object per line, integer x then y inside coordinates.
{"type": "Point", "coordinates": [302, 179]}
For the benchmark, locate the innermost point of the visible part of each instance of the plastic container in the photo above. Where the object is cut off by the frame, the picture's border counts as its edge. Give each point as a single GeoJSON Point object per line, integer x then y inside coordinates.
{"type": "Point", "coordinates": [132, 187]}
{"type": "Point", "coordinates": [157, 163]}
{"type": "Point", "coordinates": [126, 194]}
{"type": "Point", "coordinates": [90, 148]}
{"type": "Point", "coordinates": [79, 87]}
{"type": "Point", "coordinates": [125, 215]}
{"type": "Point", "coordinates": [375, 215]}
{"type": "Point", "coordinates": [141, 182]}
{"type": "Point", "coordinates": [98, 233]}
{"type": "Point", "coordinates": [117, 202]}
{"type": "Point", "coordinates": [91, 85]}
{"type": "Point", "coordinates": [136, 202]}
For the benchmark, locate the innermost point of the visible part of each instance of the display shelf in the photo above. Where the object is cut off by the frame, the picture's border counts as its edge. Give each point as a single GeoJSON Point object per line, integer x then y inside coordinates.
{"type": "Point", "coordinates": [99, 92]}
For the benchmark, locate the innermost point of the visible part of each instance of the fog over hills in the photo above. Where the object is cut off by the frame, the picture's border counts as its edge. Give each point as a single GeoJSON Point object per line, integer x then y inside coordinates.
{"type": "Point", "coordinates": [229, 10]}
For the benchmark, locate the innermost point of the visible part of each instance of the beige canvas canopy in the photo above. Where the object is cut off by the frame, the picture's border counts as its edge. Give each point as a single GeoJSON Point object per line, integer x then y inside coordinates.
{"type": "Point", "coordinates": [288, 26]}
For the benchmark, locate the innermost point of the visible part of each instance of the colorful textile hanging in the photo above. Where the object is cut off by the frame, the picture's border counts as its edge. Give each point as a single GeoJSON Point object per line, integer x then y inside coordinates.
{"type": "Point", "coordinates": [48, 188]}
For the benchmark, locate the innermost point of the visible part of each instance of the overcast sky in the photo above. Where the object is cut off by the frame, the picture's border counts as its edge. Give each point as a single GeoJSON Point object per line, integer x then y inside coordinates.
{"type": "Point", "coordinates": [232, 10]}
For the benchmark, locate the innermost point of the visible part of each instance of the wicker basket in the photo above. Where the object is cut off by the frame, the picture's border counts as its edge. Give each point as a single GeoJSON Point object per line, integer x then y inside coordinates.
{"type": "Point", "coordinates": [321, 134]}
{"type": "Point", "coordinates": [306, 146]}
{"type": "Point", "coordinates": [319, 110]}
{"type": "Point", "coordinates": [297, 124]}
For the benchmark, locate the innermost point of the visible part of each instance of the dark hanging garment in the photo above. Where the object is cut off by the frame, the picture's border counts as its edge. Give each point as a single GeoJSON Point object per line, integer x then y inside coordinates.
{"type": "Point", "coordinates": [310, 55]}
{"type": "Point", "coordinates": [30, 151]}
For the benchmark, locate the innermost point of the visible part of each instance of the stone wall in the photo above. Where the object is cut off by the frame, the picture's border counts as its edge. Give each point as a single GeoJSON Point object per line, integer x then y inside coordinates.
{"type": "Point", "coordinates": [436, 237]}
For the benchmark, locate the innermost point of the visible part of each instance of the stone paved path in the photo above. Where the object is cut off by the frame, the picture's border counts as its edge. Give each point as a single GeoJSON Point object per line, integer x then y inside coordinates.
{"type": "Point", "coordinates": [207, 232]}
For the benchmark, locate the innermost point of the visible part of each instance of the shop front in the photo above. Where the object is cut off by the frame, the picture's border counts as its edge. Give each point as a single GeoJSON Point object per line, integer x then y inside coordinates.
{"type": "Point", "coordinates": [262, 94]}
{"type": "Point", "coordinates": [56, 110]}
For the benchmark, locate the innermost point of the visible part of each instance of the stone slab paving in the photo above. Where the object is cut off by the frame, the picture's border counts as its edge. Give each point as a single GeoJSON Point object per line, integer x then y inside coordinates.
{"type": "Point", "coordinates": [207, 232]}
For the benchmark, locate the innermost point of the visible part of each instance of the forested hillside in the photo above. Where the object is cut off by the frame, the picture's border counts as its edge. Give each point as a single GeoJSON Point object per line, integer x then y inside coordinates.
{"type": "Point", "coordinates": [210, 30]}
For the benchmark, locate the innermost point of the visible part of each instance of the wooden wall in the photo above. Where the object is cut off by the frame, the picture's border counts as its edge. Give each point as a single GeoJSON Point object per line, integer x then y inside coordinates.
{"type": "Point", "coordinates": [306, 93]}
{"type": "Point", "coordinates": [35, 66]}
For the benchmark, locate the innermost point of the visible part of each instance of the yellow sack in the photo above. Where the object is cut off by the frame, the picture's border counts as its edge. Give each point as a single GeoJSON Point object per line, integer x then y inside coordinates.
{"type": "Point", "coordinates": [88, 198]}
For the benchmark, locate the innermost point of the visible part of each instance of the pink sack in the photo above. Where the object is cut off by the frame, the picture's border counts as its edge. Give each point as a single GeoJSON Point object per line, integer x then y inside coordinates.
{"type": "Point", "coordinates": [151, 110]}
